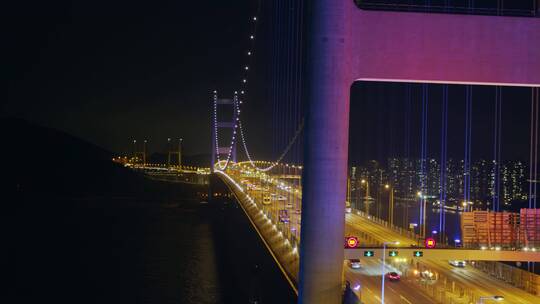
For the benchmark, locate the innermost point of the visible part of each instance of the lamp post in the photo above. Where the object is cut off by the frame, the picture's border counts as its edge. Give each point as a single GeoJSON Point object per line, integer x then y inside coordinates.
{"type": "Point", "coordinates": [391, 204]}
{"type": "Point", "coordinates": [169, 154]}
{"type": "Point", "coordinates": [348, 197]}
{"type": "Point", "coordinates": [144, 153]}
{"type": "Point", "coordinates": [180, 153]}
{"type": "Point", "coordinates": [134, 149]}
{"type": "Point", "coordinates": [494, 298]}
{"type": "Point", "coordinates": [467, 206]}
{"type": "Point", "coordinates": [422, 213]}
{"type": "Point", "coordinates": [383, 266]}
{"type": "Point", "coordinates": [365, 181]}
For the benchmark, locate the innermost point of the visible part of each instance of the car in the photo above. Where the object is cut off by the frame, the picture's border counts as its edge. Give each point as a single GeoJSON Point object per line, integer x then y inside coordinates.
{"type": "Point", "coordinates": [428, 277]}
{"type": "Point", "coordinates": [266, 200]}
{"type": "Point", "coordinates": [284, 216]}
{"type": "Point", "coordinates": [348, 209]}
{"type": "Point", "coordinates": [457, 263]}
{"type": "Point", "coordinates": [355, 263]}
{"type": "Point", "coordinates": [393, 276]}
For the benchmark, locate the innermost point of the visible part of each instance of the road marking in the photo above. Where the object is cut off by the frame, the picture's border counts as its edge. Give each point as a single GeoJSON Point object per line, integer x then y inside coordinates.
{"type": "Point", "coordinates": [405, 299]}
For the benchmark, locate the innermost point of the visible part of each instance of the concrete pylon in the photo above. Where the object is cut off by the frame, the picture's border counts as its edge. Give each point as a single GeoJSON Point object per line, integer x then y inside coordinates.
{"type": "Point", "coordinates": [325, 152]}
{"type": "Point", "coordinates": [217, 124]}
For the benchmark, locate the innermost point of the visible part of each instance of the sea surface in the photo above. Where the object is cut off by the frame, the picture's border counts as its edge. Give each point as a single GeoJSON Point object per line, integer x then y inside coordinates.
{"type": "Point", "coordinates": [128, 250]}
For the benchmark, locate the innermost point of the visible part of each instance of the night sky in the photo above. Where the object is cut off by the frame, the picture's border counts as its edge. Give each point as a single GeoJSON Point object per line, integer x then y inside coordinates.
{"type": "Point", "coordinates": [114, 71]}
{"type": "Point", "coordinates": [110, 71]}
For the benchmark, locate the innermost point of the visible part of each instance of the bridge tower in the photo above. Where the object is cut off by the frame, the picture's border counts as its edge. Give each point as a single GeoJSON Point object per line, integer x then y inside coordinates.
{"type": "Point", "coordinates": [138, 153]}
{"type": "Point", "coordinates": [171, 152]}
{"type": "Point", "coordinates": [345, 44]}
{"type": "Point", "coordinates": [218, 151]}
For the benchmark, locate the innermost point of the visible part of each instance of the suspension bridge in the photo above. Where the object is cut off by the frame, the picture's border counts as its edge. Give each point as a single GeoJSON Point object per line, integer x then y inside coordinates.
{"type": "Point", "coordinates": [299, 211]}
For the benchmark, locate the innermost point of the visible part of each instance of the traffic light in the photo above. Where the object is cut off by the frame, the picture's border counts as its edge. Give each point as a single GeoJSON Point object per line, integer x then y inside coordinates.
{"type": "Point", "coordinates": [393, 253]}
{"type": "Point", "coordinates": [430, 243]}
{"type": "Point", "coordinates": [351, 242]}
{"type": "Point", "coordinates": [418, 254]}
{"type": "Point", "coordinates": [369, 253]}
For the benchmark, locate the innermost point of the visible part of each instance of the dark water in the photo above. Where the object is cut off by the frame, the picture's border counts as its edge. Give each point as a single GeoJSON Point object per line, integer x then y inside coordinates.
{"type": "Point", "coordinates": [125, 250]}
{"type": "Point", "coordinates": [453, 225]}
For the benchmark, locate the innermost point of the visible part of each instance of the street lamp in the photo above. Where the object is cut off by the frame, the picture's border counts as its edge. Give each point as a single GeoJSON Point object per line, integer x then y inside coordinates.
{"type": "Point", "coordinates": [134, 149]}
{"type": "Point", "coordinates": [364, 181]}
{"type": "Point", "coordinates": [391, 204]}
{"type": "Point", "coordinates": [180, 153]}
{"type": "Point", "coordinates": [144, 152]}
{"type": "Point", "coordinates": [494, 298]}
{"type": "Point", "coordinates": [383, 266]}
{"type": "Point", "coordinates": [467, 206]}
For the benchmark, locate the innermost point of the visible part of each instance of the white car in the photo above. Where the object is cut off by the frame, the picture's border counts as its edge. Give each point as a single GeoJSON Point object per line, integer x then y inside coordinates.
{"type": "Point", "coordinates": [457, 263]}
{"type": "Point", "coordinates": [355, 263]}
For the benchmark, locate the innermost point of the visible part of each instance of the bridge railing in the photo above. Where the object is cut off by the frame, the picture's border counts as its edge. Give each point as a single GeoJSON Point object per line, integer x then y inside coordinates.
{"type": "Point", "coordinates": [277, 236]}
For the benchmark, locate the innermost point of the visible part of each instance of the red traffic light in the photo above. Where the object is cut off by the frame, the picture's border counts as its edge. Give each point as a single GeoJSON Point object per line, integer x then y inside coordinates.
{"type": "Point", "coordinates": [430, 243]}
{"type": "Point", "coordinates": [351, 242]}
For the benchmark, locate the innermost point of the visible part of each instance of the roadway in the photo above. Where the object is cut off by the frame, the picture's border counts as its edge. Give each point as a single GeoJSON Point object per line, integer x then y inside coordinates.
{"type": "Point", "coordinates": [470, 279]}
{"type": "Point", "coordinates": [368, 277]}
{"type": "Point", "coordinates": [469, 282]}
{"type": "Point", "coordinates": [480, 283]}
{"type": "Point", "coordinates": [356, 225]}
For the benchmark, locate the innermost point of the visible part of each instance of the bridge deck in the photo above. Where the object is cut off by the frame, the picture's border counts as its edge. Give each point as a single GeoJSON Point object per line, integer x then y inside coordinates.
{"type": "Point", "coordinates": [371, 234]}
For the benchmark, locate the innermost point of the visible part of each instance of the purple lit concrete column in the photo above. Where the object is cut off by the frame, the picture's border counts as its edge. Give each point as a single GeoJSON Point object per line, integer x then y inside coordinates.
{"type": "Point", "coordinates": [325, 153]}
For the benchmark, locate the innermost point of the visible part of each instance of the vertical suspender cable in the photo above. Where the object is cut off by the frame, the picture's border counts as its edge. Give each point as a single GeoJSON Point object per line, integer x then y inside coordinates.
{"type": "Point", "coordinates": [301, 74]}
{"type": "Point", "coordinates": [289, 81]}
{"type": "Point", "coordinates": [495, 165]}
{"type": "Point", "coordinates": [467, 157]}
{"type": "Point", "coordinates": [294, 109]}
{"type": "Point", "coordinates": [273, 73]}
{"type": "Point", "coordinates": [407, 188]}
{"type": "Point", "coordinates": [444, 143]}
{"type": "Point", "coordinates": [533, 160]}
{"type": "Point", "coordinates": [423, 160]}
{"type": "Point", "coordinates": [281, 63]}
{"type": "Point", "coordinates": [537, 99]}
{"type": "Point", "coordinates": [497, 149]}
{"type": "Point", "coordinates": [469, 144]}
{"type": "Point", "coordinates": [532, 141]}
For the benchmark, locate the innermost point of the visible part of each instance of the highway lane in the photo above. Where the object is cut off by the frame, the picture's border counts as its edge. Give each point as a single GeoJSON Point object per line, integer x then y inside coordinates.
{"type": "Point", "coordinates": [480, 283]}
{"type": "Point", "coordinates": [379, 233]}
{"type": "Point", "coordinates": [368, 277]}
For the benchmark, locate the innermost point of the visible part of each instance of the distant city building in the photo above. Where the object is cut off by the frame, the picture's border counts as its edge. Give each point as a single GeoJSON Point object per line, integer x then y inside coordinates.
{"type": "Point", "coordinates": [406, 177]}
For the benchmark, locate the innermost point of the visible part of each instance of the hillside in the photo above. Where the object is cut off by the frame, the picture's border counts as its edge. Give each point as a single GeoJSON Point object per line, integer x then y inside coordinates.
{"type": "Point", "coordinates": [43, 161]}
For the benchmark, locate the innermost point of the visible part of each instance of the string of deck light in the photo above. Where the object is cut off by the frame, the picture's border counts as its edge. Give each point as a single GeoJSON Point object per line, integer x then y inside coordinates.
{"type": "Point", "coordinates": [243, 92]}
{"type": "Point", "coordinates": [235, 101]}
{"type": "Point", "coordinates": [238, 121]}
